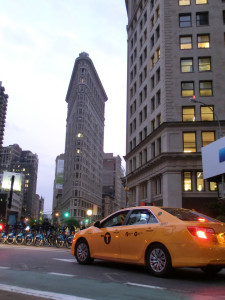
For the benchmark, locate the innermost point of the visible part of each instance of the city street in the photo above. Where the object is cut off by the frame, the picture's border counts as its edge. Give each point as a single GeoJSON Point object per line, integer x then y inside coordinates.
{"type": "Point", "coordinates": [53, 273]}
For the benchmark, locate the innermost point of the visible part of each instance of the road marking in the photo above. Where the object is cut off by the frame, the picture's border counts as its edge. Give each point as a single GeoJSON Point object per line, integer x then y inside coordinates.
{"type": "Point", "coordinates": [66, 259]}
{"type": "Point", "coordinates": [62, 274]}
{"type": "Point", "coordinates": [4, 268]}
{"type": "Point", "coordinates": [36, 293]}
{"type": "Point", "coordinates": [146, 286]}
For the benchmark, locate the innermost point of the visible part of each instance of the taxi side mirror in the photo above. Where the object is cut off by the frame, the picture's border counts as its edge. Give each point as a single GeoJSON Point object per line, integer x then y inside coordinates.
{"type": "Point", "coordinates": [97, 224]}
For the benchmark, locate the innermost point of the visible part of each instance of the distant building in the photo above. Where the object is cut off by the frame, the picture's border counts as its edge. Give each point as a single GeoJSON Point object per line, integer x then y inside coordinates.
{"type": "Point", "coordinates": [82, 186]}
{"type": "Point", "coordinates": [175, 52]}
{"type": "Point", "coordinates": [3, 110]}
{"type": "Point", "coordinates": [14, 159]}
{"type": "Point", "coordinates": [112, 190]}
{"type": "Point", "coordinates": [58, 186]}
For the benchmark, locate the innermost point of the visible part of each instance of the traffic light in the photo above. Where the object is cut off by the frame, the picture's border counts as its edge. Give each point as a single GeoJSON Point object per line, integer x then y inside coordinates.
{"type": "Point", "coordinates": [66, 214]}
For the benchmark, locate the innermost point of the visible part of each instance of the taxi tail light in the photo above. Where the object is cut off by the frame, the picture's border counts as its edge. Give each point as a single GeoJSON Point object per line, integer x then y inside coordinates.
{"type": "Point", "coordinates": [1, 226]}
{"type": "Point", "coordinates": [201, 232]}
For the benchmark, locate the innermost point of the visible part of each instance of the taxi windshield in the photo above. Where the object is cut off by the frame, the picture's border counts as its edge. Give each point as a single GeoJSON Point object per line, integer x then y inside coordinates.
{"type": "Point", "coordinates": [188, 215]}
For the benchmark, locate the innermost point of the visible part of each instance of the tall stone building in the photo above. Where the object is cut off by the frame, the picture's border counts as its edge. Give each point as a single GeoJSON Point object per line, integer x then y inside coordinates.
{"type": "Point", "coordinates": [175, 51]}
{"type": "Point", "coordinates": [112, 189]}
{"type": "Point", "coordinates": [14, 159]}
{"type": "Point", "coordinates": [82, 186]}
{"type": "Point", "coordinates": [3, 110]}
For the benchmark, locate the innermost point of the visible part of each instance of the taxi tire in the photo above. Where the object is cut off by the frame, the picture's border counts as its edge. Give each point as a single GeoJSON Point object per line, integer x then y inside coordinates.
{"type": "Point", "coordinates": [211, 270]}
{"type": "Point", "coordinates": [156, 253]}
{"type": "Point", "coordinates": [82, 252]}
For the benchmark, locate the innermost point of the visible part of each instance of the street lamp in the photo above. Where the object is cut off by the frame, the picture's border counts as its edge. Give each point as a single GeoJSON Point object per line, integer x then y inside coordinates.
{"type": "Point", "coordinates": [89, 213]}
{"type": "Point", "coordinates": [193, 99]}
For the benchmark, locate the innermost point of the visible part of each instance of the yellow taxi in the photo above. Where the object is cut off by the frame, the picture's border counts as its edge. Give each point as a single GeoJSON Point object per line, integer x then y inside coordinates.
{"type": "Point", "coordinates": [162, 238]}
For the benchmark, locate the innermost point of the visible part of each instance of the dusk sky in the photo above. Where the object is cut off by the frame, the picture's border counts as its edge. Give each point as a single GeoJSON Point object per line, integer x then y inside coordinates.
{"type": "Point", "coordinates": [40, 40]}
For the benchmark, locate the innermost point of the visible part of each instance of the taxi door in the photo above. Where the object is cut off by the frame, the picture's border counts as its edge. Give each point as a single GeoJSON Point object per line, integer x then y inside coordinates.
{"type": "Point", "coordinates": [106, 241]}
{"type": "Point", "coordinates": [136, 234]}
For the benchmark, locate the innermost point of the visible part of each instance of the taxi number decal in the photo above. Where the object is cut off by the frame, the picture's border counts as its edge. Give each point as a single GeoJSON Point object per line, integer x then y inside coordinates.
{"type": "Point", "coordinates": [107, 238]}
{"type": "Point", "coordinates": [133, 233]}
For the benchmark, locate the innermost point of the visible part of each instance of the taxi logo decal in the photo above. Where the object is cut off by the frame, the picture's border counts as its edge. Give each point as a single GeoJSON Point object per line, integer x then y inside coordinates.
{"type": "Point", "coordinates": [107, 238]}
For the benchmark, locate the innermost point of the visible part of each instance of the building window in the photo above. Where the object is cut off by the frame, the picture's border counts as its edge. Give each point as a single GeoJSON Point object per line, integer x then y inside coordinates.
{"type": "Point", "coordinates": [213, 186]}
{"type": "Point", "coordinates": [187, 181]}
{"type": "Point", "coordinates": [204, 64]}
{"type": "Point", "coordinates": [159, 120]}
{"type": "Point", "coordinates": [207, 137]}
{"type": "Point", "coordinates": [158, 75]}
{"type": "Point", "coordinates": [186, 65]}
{"type": "Point", "coordinates": [185, 42]}
{"type": "Point", "coordinates": [153, 124]}
{"type": "Point", "coordinates": [205, 88]}
{"type": "Point", "coordinates": [200, 182]}
{"type": "Point", "coordinates": [189, 139]}
{"type": "Point", "coordinates": [188, 114]}
{"type": "Point", "coordinates": [187, 89]}
{"type": "Point", "coordinates": [202, 18]}
{"type": "Point", "coordinates": [201, 1]}
{"type": "Point", "coordinates": [157, 54]}
{"type": "Point", "coordinates": [153, 104]}
{"type": "Point", "coordinates": [184, 2]}
{"type": "Point", "coordinates": [158, 98]}
{"type": "Point", "coordinates": [207, 113]}
{"type": "Point", "coordinates": [185, 20]}
{"type": "Point", "coordinates": [203, 41]}
{"type": "Point", "coordinates": [153, 149]}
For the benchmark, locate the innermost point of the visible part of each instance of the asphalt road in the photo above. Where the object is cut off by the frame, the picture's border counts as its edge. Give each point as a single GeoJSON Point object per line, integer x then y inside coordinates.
{"type": "Point", "coordinates": [36, 273]}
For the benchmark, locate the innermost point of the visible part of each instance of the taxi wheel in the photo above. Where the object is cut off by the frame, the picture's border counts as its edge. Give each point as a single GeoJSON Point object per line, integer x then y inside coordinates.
{"type": "Point", "coordinates": [82, 253]}
{"type": "Point", "coordinates": [211, 270]}
{"type": "Point", "coordinates": [158, 260]}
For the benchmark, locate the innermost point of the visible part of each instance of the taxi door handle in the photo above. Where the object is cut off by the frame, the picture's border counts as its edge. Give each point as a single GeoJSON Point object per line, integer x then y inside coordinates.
{"type": "Point", "coordinates": [149, 229]}
{"type": "Point", "coordinates": [117, 231]}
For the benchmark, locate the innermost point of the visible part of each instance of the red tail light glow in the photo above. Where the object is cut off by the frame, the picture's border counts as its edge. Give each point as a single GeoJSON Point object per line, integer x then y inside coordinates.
{"type": "Point", "coordinates": [1, 226]}
{"type": "Point", "coordinates": [201, 232]}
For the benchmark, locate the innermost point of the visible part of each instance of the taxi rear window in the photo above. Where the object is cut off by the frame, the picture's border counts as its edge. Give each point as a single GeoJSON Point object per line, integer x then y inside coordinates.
{"type": "Point", "coordinates": [188, 215]}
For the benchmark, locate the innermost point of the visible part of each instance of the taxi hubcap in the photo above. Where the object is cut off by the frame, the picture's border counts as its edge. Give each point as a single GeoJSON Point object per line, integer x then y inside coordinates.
{"type": "Point", "coordinates": [82, 252]}
{"type": "Point", "coordinates": [158, 260]}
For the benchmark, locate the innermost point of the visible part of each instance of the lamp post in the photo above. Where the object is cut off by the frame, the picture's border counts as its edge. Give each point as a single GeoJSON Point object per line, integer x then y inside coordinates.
{"type": "Point", "coordinates": [124, 183]}
{"type": "Point", "coordinates": [193, 100]}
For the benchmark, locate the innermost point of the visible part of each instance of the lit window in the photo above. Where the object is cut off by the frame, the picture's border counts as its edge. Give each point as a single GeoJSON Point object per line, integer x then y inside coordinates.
{"type": "Point", "coordinates": [203, 41]}
{"type": "Point", "coordinates": [186, 65]}
{"type": "Point", "coordinates": [185, 42]}
{"type": "Point", "coordinates": [200, 182]}
{"type": "Point", "coordinates": [185, 20]}
{"type": "Point", "coordinates": [204, 64]}
{"type": "Point", "coordinates": [188, 114]}
{"type": "Point", "coordinates": [187, 181]}
{"type": "Point", "coordinates": [205, 88]}
{"type": "Point", "coordinates": [201, 1]}
{"type": "Point", "coordinates": [213, 186]}
{"type": "Point", "coordinates": [202, 18]}
{"type": "Point", "coordinates": [189, 139]}
{"type": "Point", "coordinates": [184, 2]}
{"type": "Point", "coordinates": [207, 137]}
{"type": "Point", "coordinates": [79, 135]}
{"type": "Point", "coordinates": [207, 113]}
{"type": "Point", "coordinates": [187, 89]}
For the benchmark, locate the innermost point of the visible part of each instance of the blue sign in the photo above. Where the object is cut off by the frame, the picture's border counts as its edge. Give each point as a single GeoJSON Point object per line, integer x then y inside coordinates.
{"type": "Point", "coordinates": [222, 154]}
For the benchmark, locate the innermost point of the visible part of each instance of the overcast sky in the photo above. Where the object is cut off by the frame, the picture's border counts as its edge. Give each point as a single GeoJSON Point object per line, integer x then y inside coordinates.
{"type": "Point", "coordinates": [39, 42]}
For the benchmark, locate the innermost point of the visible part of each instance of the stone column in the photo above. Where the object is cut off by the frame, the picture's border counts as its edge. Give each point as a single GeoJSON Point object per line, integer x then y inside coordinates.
{"type": "Point", "coordinates": [172, 189]}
